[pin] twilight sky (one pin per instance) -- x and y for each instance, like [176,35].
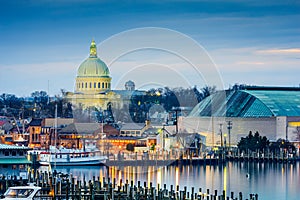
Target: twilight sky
[42,43]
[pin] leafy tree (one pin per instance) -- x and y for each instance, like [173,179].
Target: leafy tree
[130,147]
[253,142]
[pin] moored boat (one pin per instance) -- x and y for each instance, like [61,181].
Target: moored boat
[23,192]
[71,157]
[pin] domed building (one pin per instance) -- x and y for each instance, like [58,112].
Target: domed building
[93,85]
[93,74]
[129,85]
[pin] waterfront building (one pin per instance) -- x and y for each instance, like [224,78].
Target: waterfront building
[42,131]
[79,135]
[13,161]
[272,111]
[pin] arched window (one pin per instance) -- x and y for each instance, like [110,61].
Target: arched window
[105,85]
[102,85]
[99,85]
[108,85]
[85,85]
[94,85]
[81,85]
[90,85]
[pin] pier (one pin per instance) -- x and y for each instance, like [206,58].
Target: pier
[185,158]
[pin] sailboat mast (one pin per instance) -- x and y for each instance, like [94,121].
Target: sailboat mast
[55,126]
[55,133]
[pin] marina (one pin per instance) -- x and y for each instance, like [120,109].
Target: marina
[246,177]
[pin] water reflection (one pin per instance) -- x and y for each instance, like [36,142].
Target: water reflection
[269,180]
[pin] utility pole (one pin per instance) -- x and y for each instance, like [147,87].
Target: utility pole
[221,125]
[229,127]
[213,131]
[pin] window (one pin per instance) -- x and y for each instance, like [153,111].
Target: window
[105,85]
[6,153]
[14,153]
[21,153]
[90,85]
[82,85]
[102,85]
[78,85]
[99,85]
[85,85]
[94,85]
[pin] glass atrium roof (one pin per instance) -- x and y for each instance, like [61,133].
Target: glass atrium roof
[250,103]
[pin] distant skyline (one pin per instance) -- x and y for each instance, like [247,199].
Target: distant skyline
[42,43]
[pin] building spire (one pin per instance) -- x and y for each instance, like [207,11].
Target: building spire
[93,49]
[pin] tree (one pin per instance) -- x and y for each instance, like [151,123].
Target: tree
[130,147]
[253,142]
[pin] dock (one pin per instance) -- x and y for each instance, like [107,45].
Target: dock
[64,186]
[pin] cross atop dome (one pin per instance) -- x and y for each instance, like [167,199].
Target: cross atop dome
[93,49]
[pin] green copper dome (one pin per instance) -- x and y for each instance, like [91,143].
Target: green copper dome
[93,66]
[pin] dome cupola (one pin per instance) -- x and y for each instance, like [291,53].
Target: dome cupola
[93,73]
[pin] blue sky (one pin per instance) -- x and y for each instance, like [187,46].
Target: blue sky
[42,43]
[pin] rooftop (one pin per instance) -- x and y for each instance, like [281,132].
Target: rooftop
[251,101]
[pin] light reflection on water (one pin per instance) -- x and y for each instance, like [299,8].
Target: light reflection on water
[270,181]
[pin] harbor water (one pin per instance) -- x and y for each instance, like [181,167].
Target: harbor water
[271,181]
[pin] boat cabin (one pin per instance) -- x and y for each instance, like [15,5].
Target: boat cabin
[13,161]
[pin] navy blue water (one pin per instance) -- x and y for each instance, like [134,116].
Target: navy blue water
[270,181]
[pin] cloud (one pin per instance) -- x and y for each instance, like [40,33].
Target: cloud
[250,63]
[23,79]
[279,51]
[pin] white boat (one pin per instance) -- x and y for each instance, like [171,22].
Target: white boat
[23,192]
[71,157]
